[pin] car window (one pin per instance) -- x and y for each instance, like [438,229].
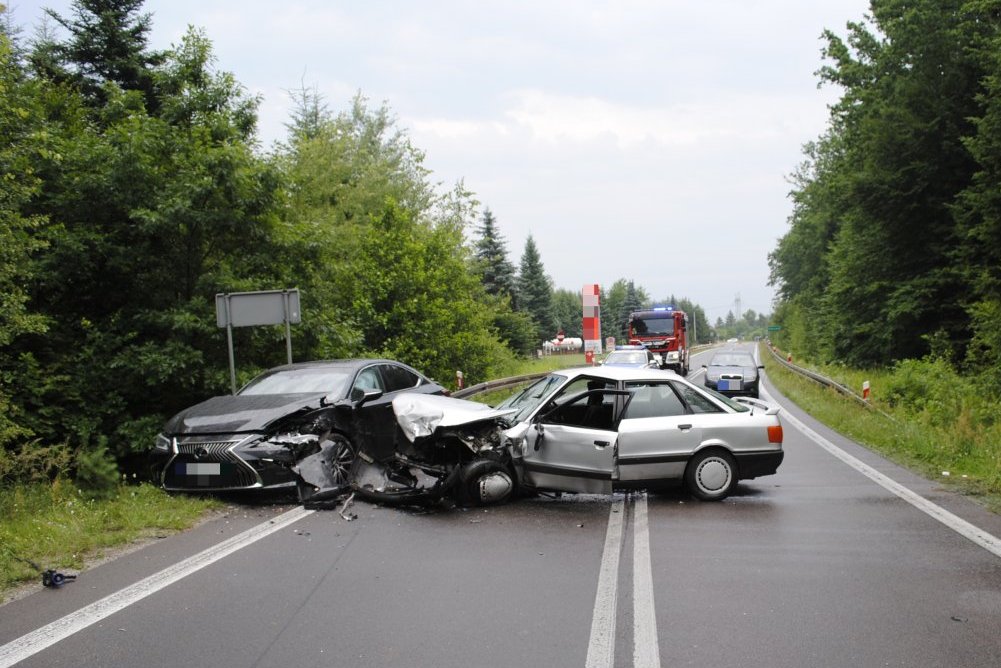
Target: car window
[652,399]
[594,410]
[582,384]
[698,402]
[369,379]
[328,380]
[397,378]
[529,399]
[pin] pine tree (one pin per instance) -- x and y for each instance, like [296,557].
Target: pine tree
[535,291]
[496,272]
[107,43]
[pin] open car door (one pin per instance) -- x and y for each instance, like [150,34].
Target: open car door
[572,447]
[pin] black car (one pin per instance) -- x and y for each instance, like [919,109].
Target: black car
[254,439]
[733,373]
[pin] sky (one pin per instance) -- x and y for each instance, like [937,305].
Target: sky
[643,140]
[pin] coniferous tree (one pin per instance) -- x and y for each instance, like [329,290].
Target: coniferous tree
[496,271]
[535,292]
[107,43]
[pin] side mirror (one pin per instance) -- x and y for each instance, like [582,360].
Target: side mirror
[704,366]
[359,397]
[761,366]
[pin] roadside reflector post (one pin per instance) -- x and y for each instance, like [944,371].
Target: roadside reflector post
[458,380]
[865,390]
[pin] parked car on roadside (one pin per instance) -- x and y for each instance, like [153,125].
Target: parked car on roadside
[253,439]
[733,373]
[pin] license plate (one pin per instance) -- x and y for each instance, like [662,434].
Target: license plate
[729,385]
[201,468]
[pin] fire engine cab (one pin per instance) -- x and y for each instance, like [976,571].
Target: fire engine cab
[664,330]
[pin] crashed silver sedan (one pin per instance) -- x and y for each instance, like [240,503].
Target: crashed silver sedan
[591,430]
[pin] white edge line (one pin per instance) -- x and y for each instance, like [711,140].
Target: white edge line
[646,649]
[31,643]
[982,538]
[601,648]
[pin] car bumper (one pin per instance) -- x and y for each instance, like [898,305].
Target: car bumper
[756,464]
[210,464]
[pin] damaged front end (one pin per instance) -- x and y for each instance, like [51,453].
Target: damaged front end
[444,448]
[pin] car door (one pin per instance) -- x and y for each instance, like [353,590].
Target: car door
[657,433]
[571,448]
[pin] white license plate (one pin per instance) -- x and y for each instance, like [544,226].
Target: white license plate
[729,385]
[203,468]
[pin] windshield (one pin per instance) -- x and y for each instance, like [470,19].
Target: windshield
[626,358]
[732,359]
[531,397]
[653,326]
[327,380]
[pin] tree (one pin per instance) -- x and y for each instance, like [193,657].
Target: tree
[496,272]
[107,44]
[568,310]
[630,303]
[535,292]
[21,127]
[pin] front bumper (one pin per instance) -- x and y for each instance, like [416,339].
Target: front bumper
[207,463]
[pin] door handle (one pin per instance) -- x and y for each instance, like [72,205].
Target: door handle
[601,444]
[684,426]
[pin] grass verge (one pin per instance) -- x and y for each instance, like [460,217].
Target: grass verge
[55,526]
[947,452]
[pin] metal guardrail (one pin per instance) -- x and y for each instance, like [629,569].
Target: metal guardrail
[498,384]
[827,382]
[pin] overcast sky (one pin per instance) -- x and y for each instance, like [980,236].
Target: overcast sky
[646,140]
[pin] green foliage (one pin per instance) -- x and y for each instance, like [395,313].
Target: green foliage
[495,270]
[96,472]
[568,311]
[535,292]
[894,202]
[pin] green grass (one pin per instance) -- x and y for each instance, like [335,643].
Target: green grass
[928,437]
[55,526]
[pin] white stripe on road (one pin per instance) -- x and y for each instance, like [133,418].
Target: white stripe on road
[601,649]
[34,642]
[982,538]
[646,649]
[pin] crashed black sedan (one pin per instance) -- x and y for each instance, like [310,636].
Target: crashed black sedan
[257,438]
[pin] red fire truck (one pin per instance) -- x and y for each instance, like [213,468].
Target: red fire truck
[664,330]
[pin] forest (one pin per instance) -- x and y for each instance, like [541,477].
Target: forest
[894,247]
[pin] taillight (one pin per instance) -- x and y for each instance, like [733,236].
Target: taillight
[775,434]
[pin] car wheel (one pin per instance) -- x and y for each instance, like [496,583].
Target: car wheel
[338,460]
[484,482]
[711,475]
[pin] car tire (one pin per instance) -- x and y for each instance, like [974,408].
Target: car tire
[485,482]
[711,475]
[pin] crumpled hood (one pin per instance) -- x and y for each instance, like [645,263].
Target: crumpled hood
[234,414]
[420,414]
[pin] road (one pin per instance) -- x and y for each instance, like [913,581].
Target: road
[819,565]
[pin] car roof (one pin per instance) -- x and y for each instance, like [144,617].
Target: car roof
[356,363]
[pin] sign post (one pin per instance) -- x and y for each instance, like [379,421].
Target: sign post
[247,309]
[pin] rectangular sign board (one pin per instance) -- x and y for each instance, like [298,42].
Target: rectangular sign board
[774,328]
[247,309]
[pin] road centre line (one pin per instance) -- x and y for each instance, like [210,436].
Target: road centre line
[646,649]
[601,648]
[31,643]
[982,538]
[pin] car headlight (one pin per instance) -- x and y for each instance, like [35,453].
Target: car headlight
[163,443]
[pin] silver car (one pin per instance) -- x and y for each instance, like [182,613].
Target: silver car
[733,373]
[595,429]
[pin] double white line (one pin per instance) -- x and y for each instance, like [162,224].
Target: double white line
[646,649]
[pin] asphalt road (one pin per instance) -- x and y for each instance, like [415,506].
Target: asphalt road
[816,566]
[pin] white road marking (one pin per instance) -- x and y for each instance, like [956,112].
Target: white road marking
[36,641]
[646,649]
[982,538]
[601,649]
